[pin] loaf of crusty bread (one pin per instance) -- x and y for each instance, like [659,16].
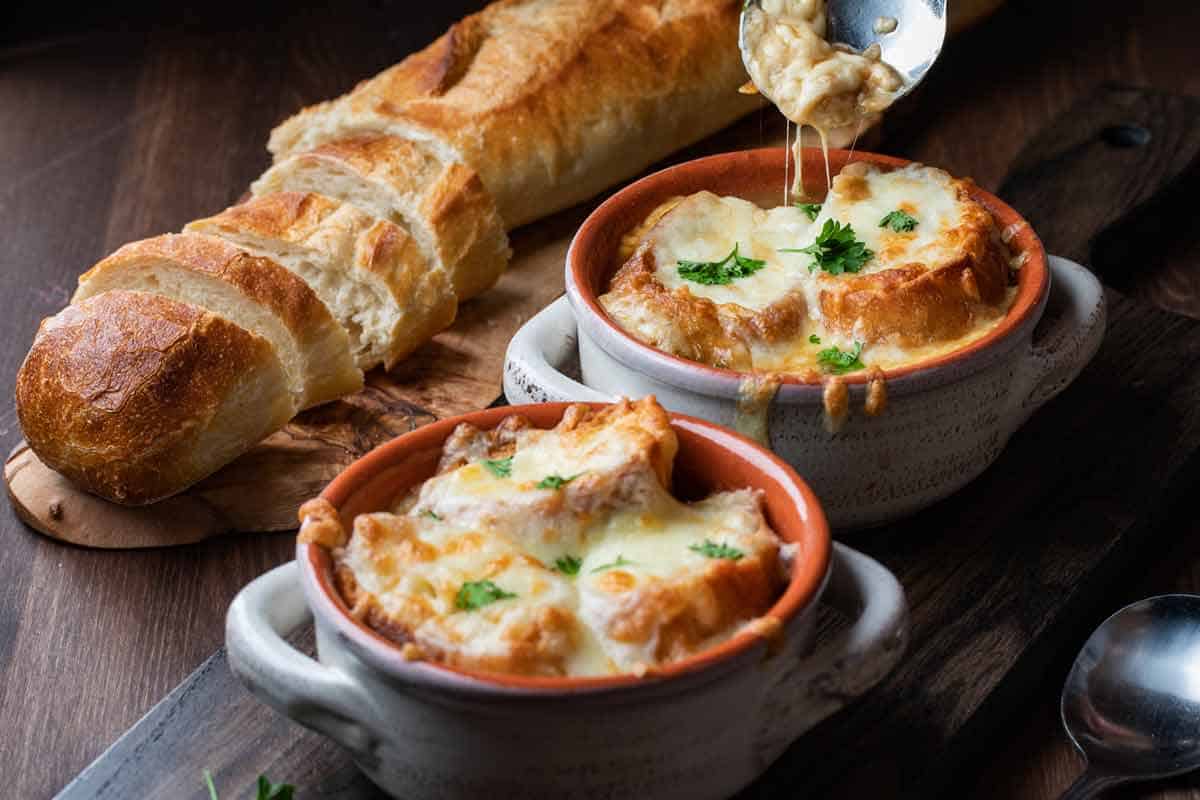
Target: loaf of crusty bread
[134,396]
[369,272]
[551,101]
[383,210]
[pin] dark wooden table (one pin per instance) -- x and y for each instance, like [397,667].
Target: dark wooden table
[146,121]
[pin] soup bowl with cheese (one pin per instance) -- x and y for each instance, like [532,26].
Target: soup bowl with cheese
[885,332]
[566,600]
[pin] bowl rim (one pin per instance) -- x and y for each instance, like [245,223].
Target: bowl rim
[805,584]
[1026,310]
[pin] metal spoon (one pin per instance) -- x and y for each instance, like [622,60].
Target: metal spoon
[911,48]
[1131,704]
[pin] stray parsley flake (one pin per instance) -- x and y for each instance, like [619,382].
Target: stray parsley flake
[555,481]
[836,249]
[720,272]
[839,362]
[713,550]
[811,210]
[814,339]
[899,221]
[568,564]
[500,467]
[431,514]
[620,562]
[473,595]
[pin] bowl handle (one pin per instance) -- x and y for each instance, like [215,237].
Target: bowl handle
[806,690]
[320,697]
[536,355]
[1067,336]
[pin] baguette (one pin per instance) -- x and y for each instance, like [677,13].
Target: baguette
[255,293]
[444,206]
[369,272]
[551,101]
[136,396]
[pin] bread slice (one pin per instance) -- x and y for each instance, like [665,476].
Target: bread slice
[551,102]
[444,206]
[369,272]
[135,396]
[253,292]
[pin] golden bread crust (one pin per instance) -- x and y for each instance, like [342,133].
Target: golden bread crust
[120,392]
[552,102]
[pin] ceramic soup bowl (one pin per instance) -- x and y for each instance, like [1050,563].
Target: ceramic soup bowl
[702,727]
[947,418]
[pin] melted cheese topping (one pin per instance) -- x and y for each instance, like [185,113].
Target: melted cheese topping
[811,81]
[954,247]
[642,595]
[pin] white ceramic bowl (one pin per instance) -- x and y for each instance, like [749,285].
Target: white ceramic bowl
[700,728]
[947,419]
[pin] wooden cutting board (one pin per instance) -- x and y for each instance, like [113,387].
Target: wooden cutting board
[1001,579]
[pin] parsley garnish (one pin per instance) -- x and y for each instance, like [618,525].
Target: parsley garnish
[477,594]
[713,550]
[555,481]
[620,562]
[899,221]
[839,362]
[500,467]
[266,789]
[814,339]
[431,514]
[568,564]
[835,250]
[811,210]
[720,272]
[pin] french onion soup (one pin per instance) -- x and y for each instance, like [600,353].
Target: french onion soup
[559,552]
[893,267]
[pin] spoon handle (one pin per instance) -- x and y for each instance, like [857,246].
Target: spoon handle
[1090,784]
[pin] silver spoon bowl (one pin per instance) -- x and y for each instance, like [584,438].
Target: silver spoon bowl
[910,49]
[1131,703]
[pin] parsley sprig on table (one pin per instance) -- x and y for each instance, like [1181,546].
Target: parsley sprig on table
[811,210]
[899,221]
[265,789]
[474,595]
[836,249]
[620,562]
[500,467]
[568,564]
[710,549]
[720,272]
[839,362]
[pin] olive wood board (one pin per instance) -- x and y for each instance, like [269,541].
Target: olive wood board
[1000,578]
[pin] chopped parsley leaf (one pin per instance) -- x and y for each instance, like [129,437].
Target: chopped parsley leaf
[836,249]
[555,481]
[713,273]
[568,564]
[265,789]
[839,362]
[811,210]
[431,514]
[899,221]
[620,562]
[713,550]
[814,339]
[473,595]
[500,467]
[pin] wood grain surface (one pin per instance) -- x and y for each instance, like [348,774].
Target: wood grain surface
[114,134]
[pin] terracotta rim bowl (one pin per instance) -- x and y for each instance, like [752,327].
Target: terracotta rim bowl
[710,458]
[758,176]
